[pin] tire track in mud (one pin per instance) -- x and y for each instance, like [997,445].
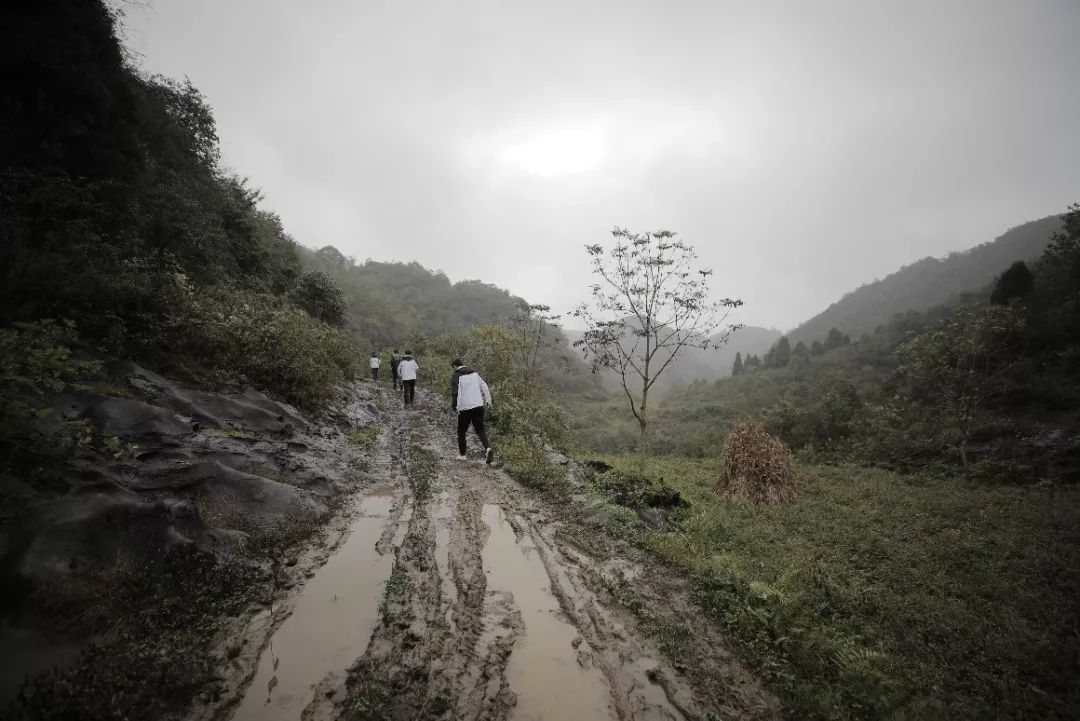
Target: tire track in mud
[490,615]
[323,606]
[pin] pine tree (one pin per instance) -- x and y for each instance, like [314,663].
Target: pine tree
[816,348]
[801,354]
[737,368]
[782,353]
[1016,282]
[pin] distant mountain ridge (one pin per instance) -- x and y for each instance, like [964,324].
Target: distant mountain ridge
[928,282]
[697,364]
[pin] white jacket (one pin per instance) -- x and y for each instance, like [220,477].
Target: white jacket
[407,369]
[469,390]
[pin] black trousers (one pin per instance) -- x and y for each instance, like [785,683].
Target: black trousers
[393,372]
[374,374]
[475,416]
[409,388]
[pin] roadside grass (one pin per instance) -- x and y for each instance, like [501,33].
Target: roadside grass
[153,655]
[363,437]
[875,595]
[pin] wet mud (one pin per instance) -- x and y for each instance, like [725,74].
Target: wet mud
[331,621]
[454,593]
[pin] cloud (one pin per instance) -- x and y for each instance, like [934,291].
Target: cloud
[804,148]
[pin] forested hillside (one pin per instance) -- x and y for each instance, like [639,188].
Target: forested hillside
[389,302]
[926,283]
[116,217]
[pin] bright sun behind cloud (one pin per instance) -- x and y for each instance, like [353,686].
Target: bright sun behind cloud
[557,152]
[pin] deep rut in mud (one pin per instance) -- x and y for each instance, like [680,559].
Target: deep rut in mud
[452,596]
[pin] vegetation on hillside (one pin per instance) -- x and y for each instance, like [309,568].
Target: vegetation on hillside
[115,214]
[928,282]
[879,595]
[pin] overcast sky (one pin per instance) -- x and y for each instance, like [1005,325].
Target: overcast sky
[804,147]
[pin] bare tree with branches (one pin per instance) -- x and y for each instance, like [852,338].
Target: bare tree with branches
[650,302]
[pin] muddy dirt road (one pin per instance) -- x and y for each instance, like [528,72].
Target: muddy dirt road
[449,591]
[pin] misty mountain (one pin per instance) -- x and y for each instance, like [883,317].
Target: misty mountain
[927,283]
[695,363]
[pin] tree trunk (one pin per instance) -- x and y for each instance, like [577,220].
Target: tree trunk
[643,443]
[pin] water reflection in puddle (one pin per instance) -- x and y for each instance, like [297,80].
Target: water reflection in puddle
[331,623]
[544,673]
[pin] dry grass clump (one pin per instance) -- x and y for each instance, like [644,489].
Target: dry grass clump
[757,466]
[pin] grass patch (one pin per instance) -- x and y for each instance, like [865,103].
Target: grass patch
[363,437]
[422,467]
[155,655]
[875,595]
[526,461]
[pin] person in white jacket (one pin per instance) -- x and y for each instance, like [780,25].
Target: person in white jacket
[407,370]
[470,394]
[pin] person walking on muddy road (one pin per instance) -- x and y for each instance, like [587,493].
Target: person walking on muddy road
[374,363]
[470,395]
[395,361]
[408,369]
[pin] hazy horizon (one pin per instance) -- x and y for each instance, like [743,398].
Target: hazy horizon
[804,152]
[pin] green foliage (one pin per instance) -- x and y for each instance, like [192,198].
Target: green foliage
[363,437]
[38,359]
[115,214]
[260,339]
[316,293]
[929,282]
[881,596]
[951,370]
[1014,283]
[154,655]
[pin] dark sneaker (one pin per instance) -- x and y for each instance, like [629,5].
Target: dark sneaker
[489,456]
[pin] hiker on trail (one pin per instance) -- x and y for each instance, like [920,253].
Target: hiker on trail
[374,363]
[395,360]
[470,395]
[407,369]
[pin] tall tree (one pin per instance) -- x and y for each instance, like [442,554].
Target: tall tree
[650,302]
[1016,282]
[782,352]
[800,354]
[737,367]
[951,370]
[816,348]
[836,339]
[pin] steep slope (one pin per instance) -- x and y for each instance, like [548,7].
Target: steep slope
[928,282]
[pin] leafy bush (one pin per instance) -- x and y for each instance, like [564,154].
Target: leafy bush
[757,466]
[35,359]
[316,293]
[260,339]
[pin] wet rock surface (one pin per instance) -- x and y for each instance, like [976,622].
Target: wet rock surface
[190,461]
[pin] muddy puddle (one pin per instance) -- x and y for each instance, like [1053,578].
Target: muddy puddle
[544,671]
[331,622]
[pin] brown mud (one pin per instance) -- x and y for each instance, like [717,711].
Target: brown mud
[463,595]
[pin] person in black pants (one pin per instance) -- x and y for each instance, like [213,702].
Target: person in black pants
[395,360]
[470,395]
[408,369]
